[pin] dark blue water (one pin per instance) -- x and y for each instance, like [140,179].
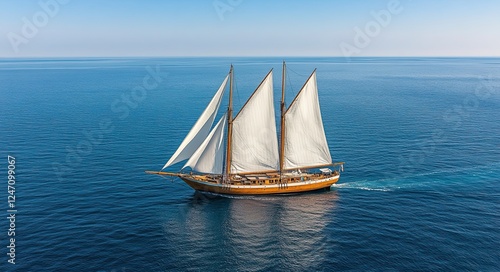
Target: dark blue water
[421,190]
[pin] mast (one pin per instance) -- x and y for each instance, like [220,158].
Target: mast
[282,126]
[229,124]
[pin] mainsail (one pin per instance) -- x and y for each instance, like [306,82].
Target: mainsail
[254,140]
[209,157]
[305,140]
[200,130]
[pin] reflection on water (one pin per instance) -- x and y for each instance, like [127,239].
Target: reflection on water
[251,232]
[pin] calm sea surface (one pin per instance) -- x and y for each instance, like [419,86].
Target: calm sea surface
[420,191]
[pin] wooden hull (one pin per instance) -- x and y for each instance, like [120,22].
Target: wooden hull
[295,187]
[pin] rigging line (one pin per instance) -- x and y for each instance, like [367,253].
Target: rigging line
[237,93]
[290,81]
[303,75]
[171,179]
[290,86]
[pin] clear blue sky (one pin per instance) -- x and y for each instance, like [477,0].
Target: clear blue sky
[248,28]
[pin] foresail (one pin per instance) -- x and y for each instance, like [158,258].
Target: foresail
[305,140]
[254,140]
[200,130]
[209,157]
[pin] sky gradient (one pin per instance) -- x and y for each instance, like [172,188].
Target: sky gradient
[77,28]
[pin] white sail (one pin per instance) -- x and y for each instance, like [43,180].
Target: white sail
[305,140]
[209,157]
[200,130]
[254,141]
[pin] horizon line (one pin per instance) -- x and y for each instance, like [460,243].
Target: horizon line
[256,56]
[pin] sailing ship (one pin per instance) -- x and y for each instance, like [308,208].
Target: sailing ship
[249,161]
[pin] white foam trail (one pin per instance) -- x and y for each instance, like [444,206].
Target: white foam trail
[361,186]
[408,181]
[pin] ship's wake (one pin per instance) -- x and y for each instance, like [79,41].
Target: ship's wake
[424,179]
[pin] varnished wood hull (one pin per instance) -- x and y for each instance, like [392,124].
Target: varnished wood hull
[295,187]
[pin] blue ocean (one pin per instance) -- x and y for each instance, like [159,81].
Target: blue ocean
[420,138]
